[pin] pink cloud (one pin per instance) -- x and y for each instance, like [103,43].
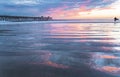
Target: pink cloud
[61,12]
[74,13]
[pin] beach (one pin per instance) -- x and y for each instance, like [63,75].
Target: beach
[69,49]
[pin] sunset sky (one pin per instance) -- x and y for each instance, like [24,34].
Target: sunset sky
[62,9]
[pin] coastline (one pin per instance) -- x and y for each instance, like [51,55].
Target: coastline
[59,21]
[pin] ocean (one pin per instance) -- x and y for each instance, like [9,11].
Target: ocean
[60,49]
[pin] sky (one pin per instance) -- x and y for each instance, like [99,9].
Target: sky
[62,9]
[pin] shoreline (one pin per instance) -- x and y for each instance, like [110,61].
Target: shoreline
[55,21]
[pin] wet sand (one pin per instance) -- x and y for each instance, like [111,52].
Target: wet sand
[60,50]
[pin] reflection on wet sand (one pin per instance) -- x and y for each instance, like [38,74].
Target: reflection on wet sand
[45,60]
[103,38]
[49,63]
[111,69]
[106,62]
[108,57]
[60,50]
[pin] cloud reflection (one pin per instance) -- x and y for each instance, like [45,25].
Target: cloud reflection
[44,59]
[106,63]
[111,69]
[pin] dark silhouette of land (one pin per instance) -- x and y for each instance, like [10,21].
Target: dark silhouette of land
[23,18]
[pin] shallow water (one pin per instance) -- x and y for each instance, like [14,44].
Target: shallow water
[60,50]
